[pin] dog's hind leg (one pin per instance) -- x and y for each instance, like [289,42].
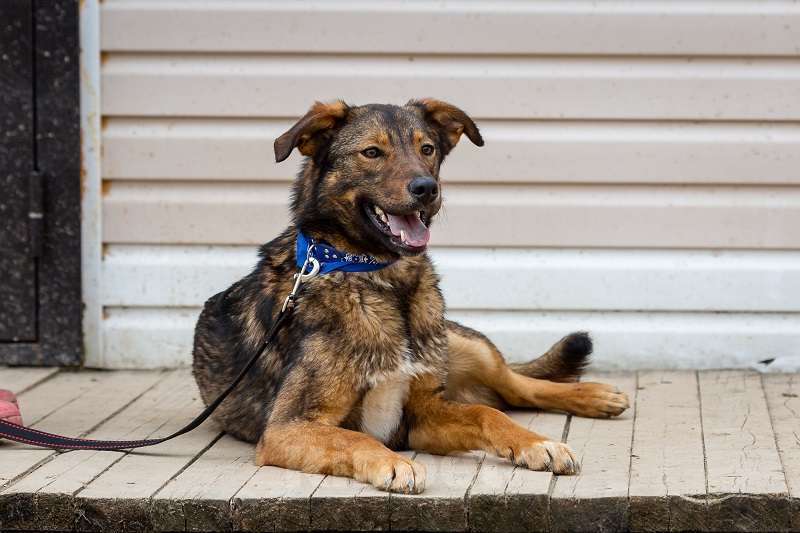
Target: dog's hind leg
[479,374]
[440,426]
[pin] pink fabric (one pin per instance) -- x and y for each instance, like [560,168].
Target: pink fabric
[7,396]
[9,410]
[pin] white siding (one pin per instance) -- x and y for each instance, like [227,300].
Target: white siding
[554,27]
[489,87]
[640,179]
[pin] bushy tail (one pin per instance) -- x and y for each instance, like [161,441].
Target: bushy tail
[565,361]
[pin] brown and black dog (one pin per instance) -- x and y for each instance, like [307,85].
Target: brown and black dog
[367,363]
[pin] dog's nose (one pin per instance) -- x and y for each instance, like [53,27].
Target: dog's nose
[424,188]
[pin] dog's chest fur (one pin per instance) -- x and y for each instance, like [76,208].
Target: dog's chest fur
[382,407]
[388,324]
[394,333]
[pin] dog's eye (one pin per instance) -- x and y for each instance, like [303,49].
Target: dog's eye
[427,149]
[371,152]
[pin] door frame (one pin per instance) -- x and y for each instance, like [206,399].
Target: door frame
[58,158]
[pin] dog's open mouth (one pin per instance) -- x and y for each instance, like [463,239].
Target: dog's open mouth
[407,230]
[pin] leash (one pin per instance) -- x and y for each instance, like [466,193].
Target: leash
[15,432]
[320,258]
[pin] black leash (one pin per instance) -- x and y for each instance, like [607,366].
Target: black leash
[42,439]
[15,432]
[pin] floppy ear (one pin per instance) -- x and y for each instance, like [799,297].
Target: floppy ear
[307,133]
[449,119]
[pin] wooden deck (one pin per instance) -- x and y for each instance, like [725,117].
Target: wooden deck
[717,450]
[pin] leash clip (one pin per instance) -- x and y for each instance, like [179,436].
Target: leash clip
[302,276]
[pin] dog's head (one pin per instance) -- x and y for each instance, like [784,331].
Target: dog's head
[371,180]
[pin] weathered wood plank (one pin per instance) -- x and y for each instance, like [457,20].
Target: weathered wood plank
[275,499]
[71,403]
[48,491]
[35,406]
[199,498]
[442,507]
[668,481]
[597,498]
[119,499]
[343,504]
[509,498]
[746,486]
[84,400]
[18,379]
[783,399]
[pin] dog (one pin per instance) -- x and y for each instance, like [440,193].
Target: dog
[367,364]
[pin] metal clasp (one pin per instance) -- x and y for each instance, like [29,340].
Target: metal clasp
[302,276]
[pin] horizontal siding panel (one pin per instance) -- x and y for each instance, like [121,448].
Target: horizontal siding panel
[515,151]
[648,340]
[477,215]
[548,279]
[148,338]
[159,337]
[542,88]
[550,27]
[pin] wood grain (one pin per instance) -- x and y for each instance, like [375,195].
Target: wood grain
[783,399]
[18,379]
[70,404]
[442,506]
[642,473]
[597,498]
[747,489]
[509,498]
[344,504]
[119,499]
[275,499]
[198,499]
[668,480]
[48,491]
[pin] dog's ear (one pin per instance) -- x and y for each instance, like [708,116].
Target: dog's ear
[449,119]
[309,131]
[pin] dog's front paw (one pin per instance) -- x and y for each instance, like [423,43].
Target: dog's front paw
[397,474]
[548,455]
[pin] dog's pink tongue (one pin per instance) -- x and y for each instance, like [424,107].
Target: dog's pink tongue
[414,232]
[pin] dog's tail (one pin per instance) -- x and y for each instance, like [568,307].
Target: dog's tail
[565,361]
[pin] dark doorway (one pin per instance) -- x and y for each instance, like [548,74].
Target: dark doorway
[40,296]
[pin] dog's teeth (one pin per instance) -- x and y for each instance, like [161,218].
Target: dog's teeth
[402,235]
[381,215]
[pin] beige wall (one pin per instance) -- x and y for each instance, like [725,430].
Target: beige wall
[640,175]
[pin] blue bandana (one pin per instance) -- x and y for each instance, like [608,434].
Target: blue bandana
[331,259]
